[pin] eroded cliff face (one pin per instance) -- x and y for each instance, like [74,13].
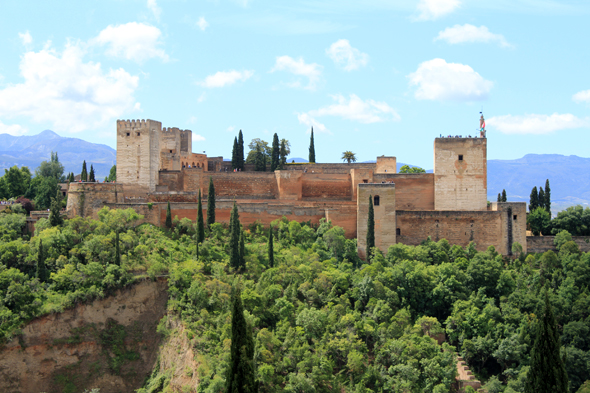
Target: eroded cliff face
[111,344]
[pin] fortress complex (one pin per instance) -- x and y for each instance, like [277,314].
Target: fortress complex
[156,165]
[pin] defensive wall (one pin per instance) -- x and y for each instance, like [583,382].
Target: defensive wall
[545,243]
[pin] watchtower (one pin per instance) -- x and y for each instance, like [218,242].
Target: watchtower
[383,197]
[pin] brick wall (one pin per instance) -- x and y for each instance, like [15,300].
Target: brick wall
[412,191]
[326,186]
[384,214]
[329,168]
[545,243]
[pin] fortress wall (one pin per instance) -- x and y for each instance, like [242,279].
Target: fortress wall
[324,186]
[171,180]
[545,243]
[329,168]
[383,197]
[412,191]
[250,185]
[357,176]
[513,228]
[86,199]
[482,227]
[289,184]
[386,165]
[169,161]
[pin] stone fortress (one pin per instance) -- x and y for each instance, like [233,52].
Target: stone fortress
[156,165]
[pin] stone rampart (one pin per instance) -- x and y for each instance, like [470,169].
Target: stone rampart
[326,186]
[412,191]
[545,243]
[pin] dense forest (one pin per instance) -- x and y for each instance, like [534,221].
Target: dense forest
[322,320]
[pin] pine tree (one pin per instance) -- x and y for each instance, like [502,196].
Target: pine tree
[311,148]
[91,177]
[504,199]
[534,201]
[84,174]
[234,240]
[117,249]
[547,373]
[271,254]
[241,371]
[211,203]
[499,197]
[200,222]
[42,272]
[370,229]
[547,196]
[234,155]
[168,216]
[275,154]
[541,197]
[241,151]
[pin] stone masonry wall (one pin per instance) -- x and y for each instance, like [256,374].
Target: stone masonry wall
[322,186]
[383,195]
[412,191]
[545,243]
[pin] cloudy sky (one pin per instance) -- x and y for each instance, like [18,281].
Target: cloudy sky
[373,76]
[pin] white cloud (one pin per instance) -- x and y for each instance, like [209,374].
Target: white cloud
[353,108]
[226,78]
[153,6]
[468,33]
[306,119]
[536,124]
[71,94]
[198,138]
[582,96]
[26,38]
[202,23]
[346,56]
[438,80]
[434,9]
[298,67]
[132,41]
[12,129]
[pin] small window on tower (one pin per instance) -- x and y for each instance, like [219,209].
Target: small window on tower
[460,157]
[128,134]
[398,232]
[170,151]
[515,217]
[138,134]
[365,181]
[376,200]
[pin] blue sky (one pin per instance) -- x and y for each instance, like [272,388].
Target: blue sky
[373,76]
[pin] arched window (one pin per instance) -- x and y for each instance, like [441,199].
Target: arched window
[376,200]
[193,164]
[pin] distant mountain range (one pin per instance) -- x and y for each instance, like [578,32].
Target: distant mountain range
[32,150]
[569,176]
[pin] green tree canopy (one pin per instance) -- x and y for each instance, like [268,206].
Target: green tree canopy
[411,169]
[539,221]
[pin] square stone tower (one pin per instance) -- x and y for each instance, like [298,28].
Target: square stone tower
[138,152]
[383,196]
[460,174]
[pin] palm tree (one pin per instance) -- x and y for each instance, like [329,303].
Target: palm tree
[348,156]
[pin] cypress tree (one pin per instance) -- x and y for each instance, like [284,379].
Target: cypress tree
[534,201]
[200,222]
[234,240]
[84,174]
[234,155]
[541,198]
[271,254]
[168,216]
[275,155]
[242,250]
[241,371]
[241,150]
[311,148]
[504,196]
[499,197]
[370,229]
[547,196]
[55,218]
[91,177]
[72,177]
[211,203]
[547,373]
[42,273]
[117,250]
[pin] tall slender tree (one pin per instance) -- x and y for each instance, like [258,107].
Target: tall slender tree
[240,151]
[242,250]
[370,229]
[311,148]
[117,249]
[534,201]
[504,199]
[541,197]
[260,163]
[84,174]
[547,372]
[55,218]
[499,197]
[271,253]
[42,272]
[168,216]
[285,151]
[234,155]
[91,177]
[200,221]
[275,154]
[211,203]
[547,196]
[234,239]
[241,371]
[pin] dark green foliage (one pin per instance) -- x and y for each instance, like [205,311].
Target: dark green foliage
[370,229]
[547,196]
[541,198]
[547,373]
[311,148]
[534,201]
[499,197]
[275,154]
[168,216]
[15,182]
[211,203]
[112,174]
[84,174]
[539,221]
[504,199]
[240,153]
[285,151]
[241,371]
[55,218]
[271,253]
[43,189]
[200,221]
[574,219]
[260,163]
[52,168]
[117,250]
[242,250]
[234,155]
[91,177]
[411,169]
[234,241]
[42,273]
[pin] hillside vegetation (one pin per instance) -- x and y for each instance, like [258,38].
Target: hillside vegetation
[322,320]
